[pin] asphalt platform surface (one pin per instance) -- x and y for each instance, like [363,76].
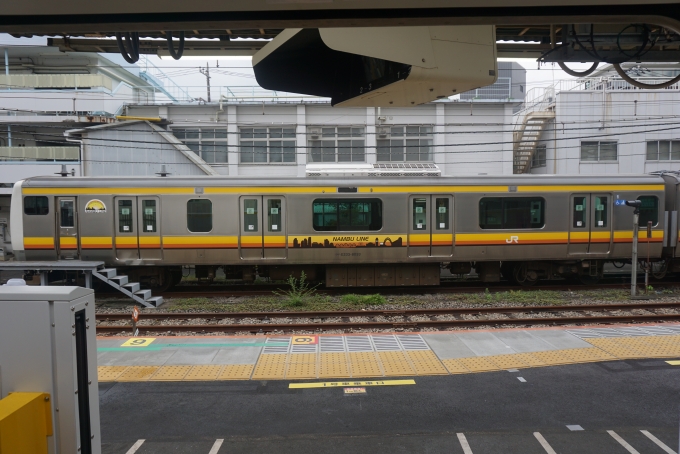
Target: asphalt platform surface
[609,404]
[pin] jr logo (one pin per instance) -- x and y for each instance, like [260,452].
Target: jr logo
[512,239]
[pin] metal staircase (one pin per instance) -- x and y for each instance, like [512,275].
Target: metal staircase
[526,139]
[131,289]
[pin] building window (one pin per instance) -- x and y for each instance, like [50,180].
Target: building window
[330,215]
[36,205]
[405,143]
[649,211]
[199,215]
[511,212]
[599,151]
[538,159]
[663,150]
[337,144]
[210,144]
[267,145]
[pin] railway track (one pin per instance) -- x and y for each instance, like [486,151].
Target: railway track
[235,291]
[409,319]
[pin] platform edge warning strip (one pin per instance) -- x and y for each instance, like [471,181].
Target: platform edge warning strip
[339,384]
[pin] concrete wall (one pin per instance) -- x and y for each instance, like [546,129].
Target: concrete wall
[469,137]
[629,117]
[132,149]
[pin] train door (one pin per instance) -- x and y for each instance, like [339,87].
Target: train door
[149,231]
[590,224]
[67,228]
[263,227]
[430,226]
[125,241]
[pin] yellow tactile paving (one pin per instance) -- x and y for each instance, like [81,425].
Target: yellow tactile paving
[302,358]
[478,364]
[204,373]
[616,348]
[587,355]
[397,368]
[529,359]
[422,355]
[392,356]
[361,356]
[365,369]
[138,373]
[301,370]
[236,372]
[552,357]
[333,357]
[272,366]
[171,373]
[455,367]
[509,361]
[110,373]
[334,369]
[429,368]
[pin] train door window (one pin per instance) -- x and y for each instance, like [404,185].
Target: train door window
[250,215]
[36,205]
[649,211]
[419,214]
[149,215]
[199,215]
[442,214]
[125,216]
[274,215]
[600,211]
[580,213]
[66,208]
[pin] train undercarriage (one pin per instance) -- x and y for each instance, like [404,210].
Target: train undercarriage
[522,273]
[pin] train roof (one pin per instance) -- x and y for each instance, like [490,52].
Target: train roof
[230,181]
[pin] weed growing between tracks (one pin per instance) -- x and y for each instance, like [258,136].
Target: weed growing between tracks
[318,302]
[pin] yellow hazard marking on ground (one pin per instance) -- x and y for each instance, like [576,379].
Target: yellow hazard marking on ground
[110,373]
[305,340]
[674,363]
[138,342]
[140,373]
[171,373]
[236,372]
[340,384]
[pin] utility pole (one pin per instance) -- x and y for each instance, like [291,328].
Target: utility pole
[206,73]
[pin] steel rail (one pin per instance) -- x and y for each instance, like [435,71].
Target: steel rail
[317,327]
[406,324]
[387,312]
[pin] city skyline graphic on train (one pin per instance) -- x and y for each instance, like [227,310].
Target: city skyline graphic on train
[347,242]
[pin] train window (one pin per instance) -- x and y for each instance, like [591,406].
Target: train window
[274,214]
[347,215]
[149,215]
[36,205]
[250,215]
[125,216]
[419,214]
[580,213]
[67,213]
[601,211]
[442,213]
[649,211]
[511,212]
[199,215]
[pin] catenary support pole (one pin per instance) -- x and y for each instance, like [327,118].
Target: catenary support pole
[633,275]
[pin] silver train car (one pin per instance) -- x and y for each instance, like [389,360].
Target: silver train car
[346,232]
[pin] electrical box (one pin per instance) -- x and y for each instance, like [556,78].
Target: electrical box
[48,344]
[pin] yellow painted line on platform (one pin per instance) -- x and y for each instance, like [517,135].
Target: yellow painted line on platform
[339,384]
[674,363]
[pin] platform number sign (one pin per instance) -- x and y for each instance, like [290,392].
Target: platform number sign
[138,342]
[305,340]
